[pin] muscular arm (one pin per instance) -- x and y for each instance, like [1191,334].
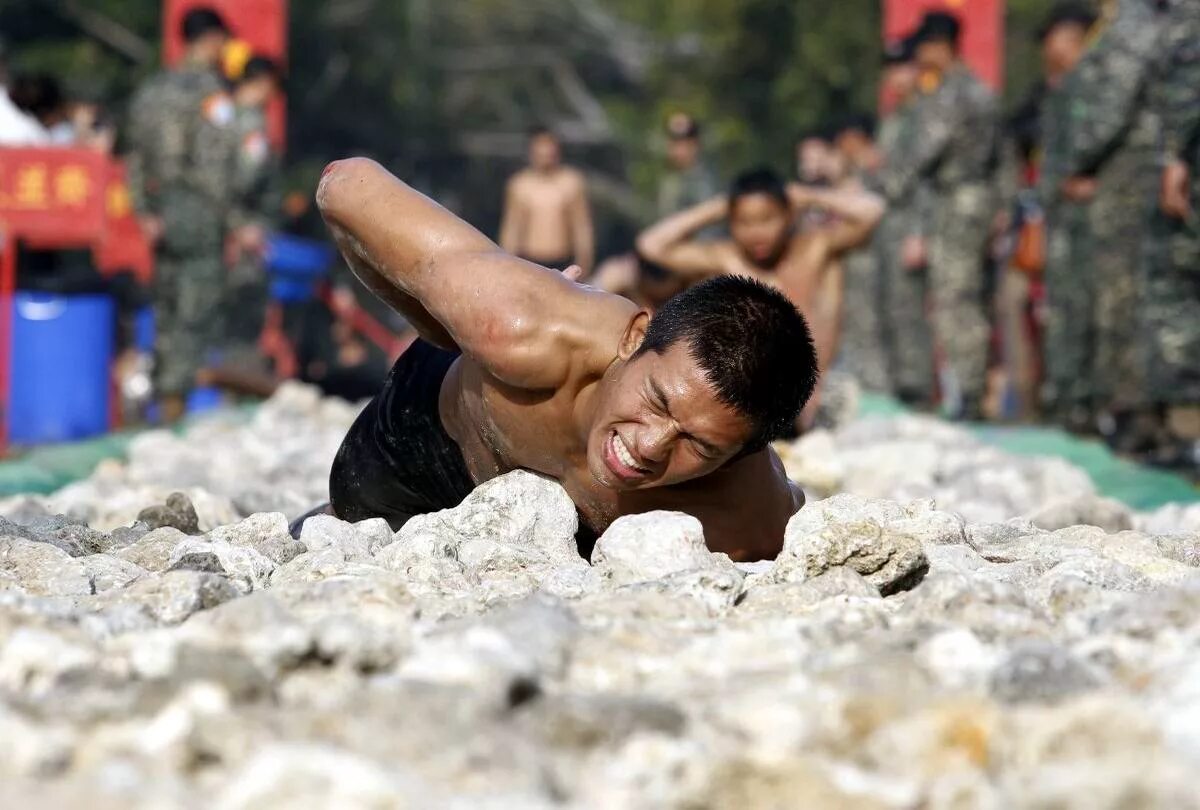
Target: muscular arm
[856,212]
[514,219]
[521,322]
[583,239]
[670,245]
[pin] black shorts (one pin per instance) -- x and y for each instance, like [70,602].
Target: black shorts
[398,461]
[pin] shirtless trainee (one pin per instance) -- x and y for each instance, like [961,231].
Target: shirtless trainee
[764,244]
[521,368]
[546,216]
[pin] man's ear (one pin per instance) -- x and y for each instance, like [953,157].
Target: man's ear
[635,334]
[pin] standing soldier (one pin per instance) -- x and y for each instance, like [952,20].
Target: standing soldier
[255,211]
[1171,303]
[180,173]
[955,151]
[907,341]
[689,181]
[1112,137]
[1070,298]
[861,351]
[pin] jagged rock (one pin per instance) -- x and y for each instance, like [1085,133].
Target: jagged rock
[788,598]
[177,513]
[171,597]
[244,565]
[636,548]
[1088,510]
[153,551]
[889,560]
[43,569]
[265,533]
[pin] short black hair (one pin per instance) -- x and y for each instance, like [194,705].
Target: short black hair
[1068,12]
[202,21]
[537,130]
[753,345]
[940,26]
[260,67]
[762,180]
[862,122]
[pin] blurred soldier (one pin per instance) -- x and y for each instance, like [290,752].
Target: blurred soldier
[861,351]
[1171,303]
[1110,166]
[256,208]
[907,340]
[1070,284]
[689,181]
[547,219]
[180,173]
[955,151]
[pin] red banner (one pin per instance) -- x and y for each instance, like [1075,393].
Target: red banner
[259,27]
[982,32]
[53,197]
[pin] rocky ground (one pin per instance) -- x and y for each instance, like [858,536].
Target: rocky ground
[983,652]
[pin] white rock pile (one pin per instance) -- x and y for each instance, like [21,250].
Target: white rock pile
[897,654]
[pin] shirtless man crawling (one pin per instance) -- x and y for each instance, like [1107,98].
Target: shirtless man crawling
[546,215]
[765,243]
[520,367]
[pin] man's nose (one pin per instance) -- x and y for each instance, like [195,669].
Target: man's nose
[654,442]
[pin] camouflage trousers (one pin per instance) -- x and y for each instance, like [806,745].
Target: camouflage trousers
[189,294]
[1170,312]
[1069,335]
[1117,221]
[956,284]
[860,350]
[907,340]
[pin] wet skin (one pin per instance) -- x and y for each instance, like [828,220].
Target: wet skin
[551,380]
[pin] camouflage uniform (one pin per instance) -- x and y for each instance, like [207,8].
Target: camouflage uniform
[1171,304]
[1069,333]
[955,151]
[1112,136]
[905,333]
[860,345]
[181,161]
[257,202]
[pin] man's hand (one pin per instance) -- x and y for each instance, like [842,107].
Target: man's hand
[1079,189]
[913,252]
[1173,197]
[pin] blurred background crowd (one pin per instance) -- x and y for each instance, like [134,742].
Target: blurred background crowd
[1018,247]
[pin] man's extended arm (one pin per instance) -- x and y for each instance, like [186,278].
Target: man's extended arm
[670,244]
[453,283]
[583,239]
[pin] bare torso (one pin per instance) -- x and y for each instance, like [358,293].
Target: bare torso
[543,217]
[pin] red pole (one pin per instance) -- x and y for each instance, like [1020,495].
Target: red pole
[8,283]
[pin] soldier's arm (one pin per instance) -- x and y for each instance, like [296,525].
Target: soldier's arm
[1107,93]
[937,117]
[520,321]
[1180,92]
[671,243]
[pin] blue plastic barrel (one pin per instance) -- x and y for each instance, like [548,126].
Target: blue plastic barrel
[61,365]
[296,265]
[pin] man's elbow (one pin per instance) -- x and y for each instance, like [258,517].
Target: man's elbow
[336,181]
[647,249]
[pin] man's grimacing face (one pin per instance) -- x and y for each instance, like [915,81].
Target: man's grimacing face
[658,421]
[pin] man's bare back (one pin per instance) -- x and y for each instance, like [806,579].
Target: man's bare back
[551,378]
